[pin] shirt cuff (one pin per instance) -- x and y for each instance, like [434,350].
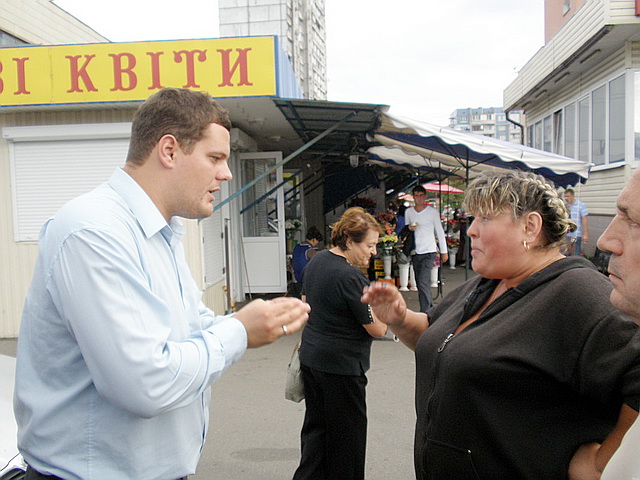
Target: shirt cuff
[232,336]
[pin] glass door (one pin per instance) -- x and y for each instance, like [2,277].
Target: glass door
[262,219]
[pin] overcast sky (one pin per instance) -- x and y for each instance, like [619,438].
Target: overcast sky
[424,58]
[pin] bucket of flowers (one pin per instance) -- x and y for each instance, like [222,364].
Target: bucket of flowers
[387,242]
[453,243]
[291,227]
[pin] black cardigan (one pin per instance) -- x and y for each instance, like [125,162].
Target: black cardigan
[543,370]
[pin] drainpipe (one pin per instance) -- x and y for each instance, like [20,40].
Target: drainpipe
[517,125]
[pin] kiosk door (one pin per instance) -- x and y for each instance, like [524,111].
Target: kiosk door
[263,233]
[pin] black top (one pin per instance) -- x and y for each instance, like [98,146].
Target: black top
[543,370]
[334,340]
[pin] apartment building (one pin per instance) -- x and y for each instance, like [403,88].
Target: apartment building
[300,25]
[490,122]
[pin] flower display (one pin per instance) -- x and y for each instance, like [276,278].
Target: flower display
[291,227]
[387,243]
[453,242]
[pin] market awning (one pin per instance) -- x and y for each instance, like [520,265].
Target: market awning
[418,144]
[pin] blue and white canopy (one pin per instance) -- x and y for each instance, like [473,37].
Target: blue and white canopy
[416,144]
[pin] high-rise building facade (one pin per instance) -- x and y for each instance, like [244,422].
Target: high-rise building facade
[490,122]
[300,25]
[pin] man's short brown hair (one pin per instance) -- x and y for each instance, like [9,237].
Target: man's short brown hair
[185,114]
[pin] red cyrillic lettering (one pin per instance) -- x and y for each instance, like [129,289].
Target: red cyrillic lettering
[241,63]
[155,70]
[22,84]
[189,55]
[78,73]
[119,71]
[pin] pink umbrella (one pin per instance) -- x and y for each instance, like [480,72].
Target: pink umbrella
[441,187]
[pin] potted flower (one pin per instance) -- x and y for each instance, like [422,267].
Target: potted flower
[291,228]
[386,248]
[453,243]
[387,243]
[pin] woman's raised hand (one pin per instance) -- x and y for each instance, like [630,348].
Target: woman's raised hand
[386,301]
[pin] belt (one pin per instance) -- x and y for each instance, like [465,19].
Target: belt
[35,475]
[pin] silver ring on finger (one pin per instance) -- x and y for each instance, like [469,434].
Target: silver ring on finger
[285,329]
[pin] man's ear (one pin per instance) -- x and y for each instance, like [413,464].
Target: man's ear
[167,147]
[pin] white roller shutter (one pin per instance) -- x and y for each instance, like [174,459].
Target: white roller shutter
[52,164]
[49,173]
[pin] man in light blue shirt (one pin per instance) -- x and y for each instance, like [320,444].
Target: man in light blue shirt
[116,352]
[579,215]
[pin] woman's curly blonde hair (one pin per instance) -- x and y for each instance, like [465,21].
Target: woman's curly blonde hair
[520,193]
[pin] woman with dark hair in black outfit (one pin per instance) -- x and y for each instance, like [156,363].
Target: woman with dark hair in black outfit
[335,351]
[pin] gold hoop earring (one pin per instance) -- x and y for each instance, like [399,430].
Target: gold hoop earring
[526,246]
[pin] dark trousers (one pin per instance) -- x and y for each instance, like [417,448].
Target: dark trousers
[334,432]
[31,474]
[422,265]
[35,475]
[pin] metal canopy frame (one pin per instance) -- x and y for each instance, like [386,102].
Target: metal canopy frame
[334,129]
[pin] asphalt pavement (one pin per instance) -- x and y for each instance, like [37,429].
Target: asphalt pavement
[254,433]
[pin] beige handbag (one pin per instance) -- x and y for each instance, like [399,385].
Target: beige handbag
[294,388]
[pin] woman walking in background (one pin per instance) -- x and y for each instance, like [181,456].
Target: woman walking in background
[335,351]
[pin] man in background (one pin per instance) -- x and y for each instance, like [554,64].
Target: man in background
[117,352]
[302,253]
[579,215]
[424,221]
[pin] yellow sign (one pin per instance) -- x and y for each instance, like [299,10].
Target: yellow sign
[120,72]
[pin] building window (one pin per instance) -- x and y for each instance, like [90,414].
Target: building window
[570,130]
[617,100]
[583,129]
[547,135]
[599,125]
[558,129]
[530,136]
[538,136]
[636,116]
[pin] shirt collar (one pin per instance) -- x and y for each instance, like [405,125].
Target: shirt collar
[144,210]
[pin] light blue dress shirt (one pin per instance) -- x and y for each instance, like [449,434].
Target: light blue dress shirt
[578,210]
[116,351]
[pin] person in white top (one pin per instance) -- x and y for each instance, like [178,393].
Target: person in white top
[424,220]
[622,239]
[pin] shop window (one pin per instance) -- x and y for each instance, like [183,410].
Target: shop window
[558,130]
[547,134]
[538,136]
[636,116]
[570,130]
[617,101]
[599,125]
[583,129]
